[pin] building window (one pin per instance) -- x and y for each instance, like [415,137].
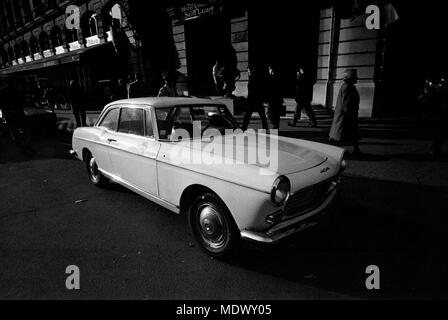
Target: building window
[27,11]
[71,35]
[4,57]
[10,17]
[11,54]
[25,48]
[56,37]
[18,13]
[114,16]
[17,51]
[93,26]
[44,42]
[38,8]
[89,25]
[34,48]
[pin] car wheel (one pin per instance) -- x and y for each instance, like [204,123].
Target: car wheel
[96,177]
[213,226]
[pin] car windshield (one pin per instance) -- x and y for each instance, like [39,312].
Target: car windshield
[192,121]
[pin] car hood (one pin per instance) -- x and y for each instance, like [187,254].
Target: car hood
[274,153]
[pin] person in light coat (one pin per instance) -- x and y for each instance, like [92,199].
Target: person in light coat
[345,121]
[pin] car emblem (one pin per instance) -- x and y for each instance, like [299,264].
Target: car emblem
[324,170]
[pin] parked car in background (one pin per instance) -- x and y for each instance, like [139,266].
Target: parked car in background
[136,143]
[38,119]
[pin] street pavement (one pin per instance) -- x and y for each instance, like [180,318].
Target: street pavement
[391,212]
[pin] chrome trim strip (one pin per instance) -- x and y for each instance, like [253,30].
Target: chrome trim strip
[120,149]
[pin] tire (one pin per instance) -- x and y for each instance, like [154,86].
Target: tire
[95,176]
[212,226]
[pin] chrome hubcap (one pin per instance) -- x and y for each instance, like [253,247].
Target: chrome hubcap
[94,173]
[211,225]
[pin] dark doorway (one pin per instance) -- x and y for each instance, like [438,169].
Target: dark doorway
[207,38]
[285,35]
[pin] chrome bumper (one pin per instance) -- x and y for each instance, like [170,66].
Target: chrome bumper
[292,226]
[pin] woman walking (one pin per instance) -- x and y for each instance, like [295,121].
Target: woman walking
[345,121]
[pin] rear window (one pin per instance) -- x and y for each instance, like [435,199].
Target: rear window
[132,121]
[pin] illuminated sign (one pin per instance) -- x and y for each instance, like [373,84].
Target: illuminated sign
[192,11]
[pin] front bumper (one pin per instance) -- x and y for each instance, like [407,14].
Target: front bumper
[292,226]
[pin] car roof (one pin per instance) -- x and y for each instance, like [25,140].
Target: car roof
[166,102]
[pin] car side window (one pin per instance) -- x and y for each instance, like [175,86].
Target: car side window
[110,120]
[149,128]
[132,121]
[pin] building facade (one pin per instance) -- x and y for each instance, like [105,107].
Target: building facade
[324,37]
[288,36]
[35,42]
[188,37]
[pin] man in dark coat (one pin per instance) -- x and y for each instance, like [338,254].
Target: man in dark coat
[274,97]
[255,100]
[304,96]
[345,121]
[75,97]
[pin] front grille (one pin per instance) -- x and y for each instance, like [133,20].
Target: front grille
[307,199]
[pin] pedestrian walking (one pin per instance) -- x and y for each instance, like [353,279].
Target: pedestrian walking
[75,97]
[50,98]
[138,88]
[274,97]
[12,103]
[230,76]
[345,121]
[303,97]
[255,100]
[218,78]
[169,88]
[120,92]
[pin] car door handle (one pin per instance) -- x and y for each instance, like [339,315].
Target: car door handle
[111,140]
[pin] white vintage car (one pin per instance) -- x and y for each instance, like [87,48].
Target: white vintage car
[148,145]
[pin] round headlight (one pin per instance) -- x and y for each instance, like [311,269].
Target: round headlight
[280,190]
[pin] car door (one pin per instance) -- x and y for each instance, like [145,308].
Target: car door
[107,127]
[135,149]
